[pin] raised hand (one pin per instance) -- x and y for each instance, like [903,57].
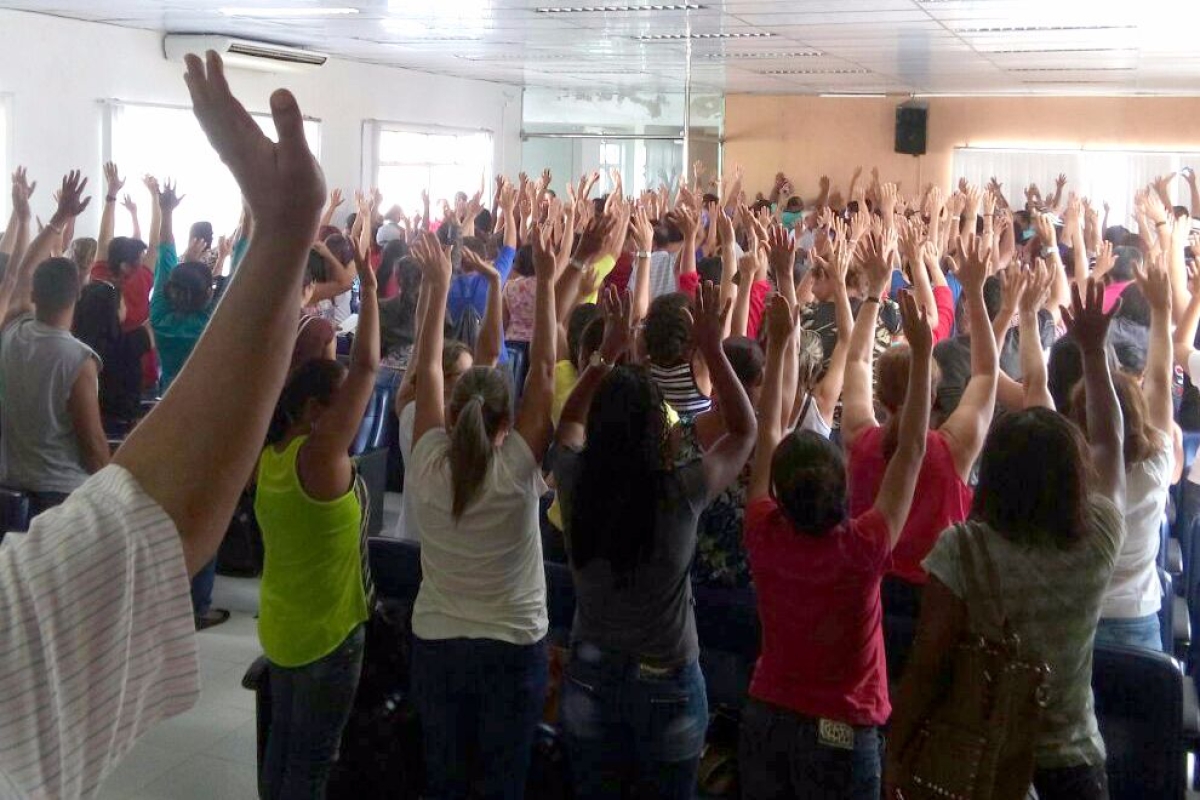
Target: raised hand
[433,259]
[335,199]
[1043,224]
[687,221]
[1153,280]
[151,184]
[781,319]
[281,182]
[875,264]
[974,264]
[1036,289]
[618,324]
[168,198]
[781,254]
[71,201]
[1105,260]
[224,247]
[1086,320]
[112,180]
[368,282]
[915,320]
[641,230]
[708,318]
[591,242]
[1013,281]
[22,190]
[129,205]
[1060,181]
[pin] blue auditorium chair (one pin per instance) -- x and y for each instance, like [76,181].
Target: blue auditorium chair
[14,511]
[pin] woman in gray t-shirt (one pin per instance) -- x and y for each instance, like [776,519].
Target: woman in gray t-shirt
[633,706]
[1044,533]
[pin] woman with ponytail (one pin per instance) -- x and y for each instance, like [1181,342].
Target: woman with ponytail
[634,706]
[479,662]
[943,497]
[314,595]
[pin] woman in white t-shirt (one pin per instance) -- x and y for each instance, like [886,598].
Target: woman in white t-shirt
[479,662]
[1129,614]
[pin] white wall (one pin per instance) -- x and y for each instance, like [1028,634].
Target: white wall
[55,72]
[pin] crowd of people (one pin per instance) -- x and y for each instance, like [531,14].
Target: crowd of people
[837,411]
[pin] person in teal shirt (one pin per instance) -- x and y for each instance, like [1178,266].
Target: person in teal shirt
[183,300]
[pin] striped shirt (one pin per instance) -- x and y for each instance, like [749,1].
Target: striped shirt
[97,639]
[679,389]
[663,279]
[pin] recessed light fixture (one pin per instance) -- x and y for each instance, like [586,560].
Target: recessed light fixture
[1056,50]
[762,55]
[618,9]
[852,95]
[301,11]
[683,37]
[1045,28]
[815,72]
[1072,69]
[524,57]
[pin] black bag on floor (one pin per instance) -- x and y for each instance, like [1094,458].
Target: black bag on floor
[549,778]
[381,745]
[241,551]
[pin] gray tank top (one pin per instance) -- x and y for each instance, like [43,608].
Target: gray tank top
[39,451]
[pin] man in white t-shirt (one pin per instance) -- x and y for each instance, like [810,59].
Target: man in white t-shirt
[95,613]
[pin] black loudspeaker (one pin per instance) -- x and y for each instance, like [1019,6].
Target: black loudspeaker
[910,129]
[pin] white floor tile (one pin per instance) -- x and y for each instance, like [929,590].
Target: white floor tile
[236,594]
[204,778]
[199,729]
[241,745]
[144,764]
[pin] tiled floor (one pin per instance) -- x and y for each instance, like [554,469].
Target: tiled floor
[209,753]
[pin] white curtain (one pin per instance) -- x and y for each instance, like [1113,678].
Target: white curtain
[1101,175]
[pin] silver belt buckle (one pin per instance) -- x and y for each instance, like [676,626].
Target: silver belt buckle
[832,733]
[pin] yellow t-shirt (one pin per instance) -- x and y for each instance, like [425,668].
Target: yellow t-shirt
[602,267]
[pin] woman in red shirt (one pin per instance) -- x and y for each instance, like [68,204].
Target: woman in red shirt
[820,691]
[943,496]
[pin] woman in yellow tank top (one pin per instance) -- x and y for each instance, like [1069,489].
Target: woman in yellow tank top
[313,599]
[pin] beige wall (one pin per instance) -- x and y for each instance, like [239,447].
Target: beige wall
[810,136]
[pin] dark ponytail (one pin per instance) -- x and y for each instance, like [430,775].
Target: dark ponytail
[480,406]
[317,379]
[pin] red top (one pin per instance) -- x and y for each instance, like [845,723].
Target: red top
[818,601]
[759,291]
[1112,293]
[940,500]
[135,288]
[619,275]
[689,282]
[943,298]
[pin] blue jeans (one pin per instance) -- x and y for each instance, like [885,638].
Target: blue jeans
[202,588]
[781,756]
[1133,632]
[628,724]
[480,701]
[310,706]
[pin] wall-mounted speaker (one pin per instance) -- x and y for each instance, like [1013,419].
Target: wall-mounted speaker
[911,124]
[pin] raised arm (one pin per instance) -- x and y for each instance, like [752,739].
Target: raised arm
[324,463]
[112,184]
[1155,284]
[16,235]
[1189,175]
[618,334]
[781,328]
[335,200]
[533,418]
[427,359]
[967,427]
[491,332]
[858,408]
[1035,293]
[642,231]
[1185,331]
[827,393]
[228,389]
[17,285]
[130,206]
[1105,425]
[726,458]
[900,479]
[155,222]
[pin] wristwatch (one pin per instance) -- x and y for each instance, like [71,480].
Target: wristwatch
[1048,251]
[598,360]
[575,263]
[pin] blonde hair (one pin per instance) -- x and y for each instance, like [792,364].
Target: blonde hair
[480,407]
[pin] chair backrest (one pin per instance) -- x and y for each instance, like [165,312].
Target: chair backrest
[395,567]
[1139,705]
[373,430]
[14,511]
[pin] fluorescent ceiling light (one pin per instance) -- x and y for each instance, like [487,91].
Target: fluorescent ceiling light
[618,9]
[762,55]
[1056,50]
[303,11]
[683,37]
[815,72]
[846,95]
[1071,69]
[1045,28]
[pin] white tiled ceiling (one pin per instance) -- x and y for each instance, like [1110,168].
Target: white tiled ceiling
[757,46]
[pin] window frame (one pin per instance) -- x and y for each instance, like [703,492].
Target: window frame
[373,161]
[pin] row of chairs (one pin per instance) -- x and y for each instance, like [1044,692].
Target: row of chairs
[1140,694]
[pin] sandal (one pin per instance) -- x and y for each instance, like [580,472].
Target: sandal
[214,617]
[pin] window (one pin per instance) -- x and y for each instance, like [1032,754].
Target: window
[409,161]
[167,142]
[1101,175]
